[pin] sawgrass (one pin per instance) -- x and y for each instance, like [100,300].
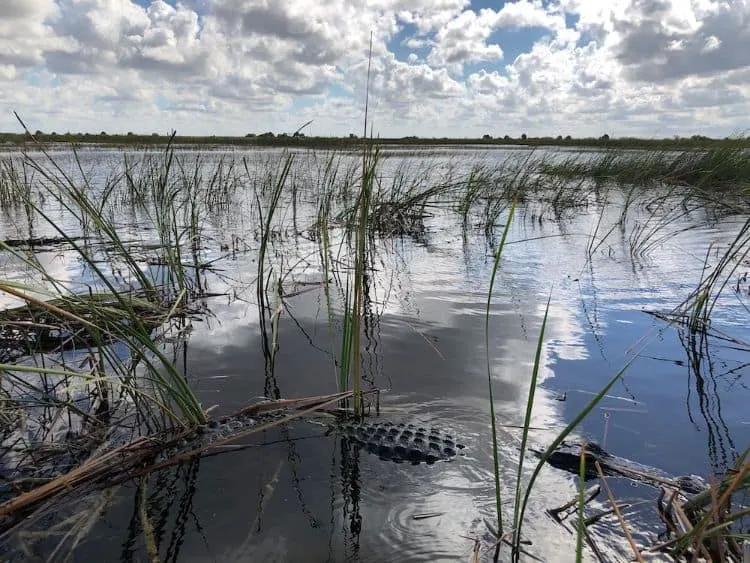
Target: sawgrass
[724,165]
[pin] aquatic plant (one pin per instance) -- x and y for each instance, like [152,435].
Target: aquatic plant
[709,168]
[493,421]
[139,293]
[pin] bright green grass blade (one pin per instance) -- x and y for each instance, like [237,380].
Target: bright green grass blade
[495,456]
[529,409]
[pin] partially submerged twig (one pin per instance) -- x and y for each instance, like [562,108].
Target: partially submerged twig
[624,526]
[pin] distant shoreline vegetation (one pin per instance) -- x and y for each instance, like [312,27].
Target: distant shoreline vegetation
[269,139]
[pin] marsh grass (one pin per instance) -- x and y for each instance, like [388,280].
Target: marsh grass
[700,304]
[490,395]
[717,167]
[14,183]
[266,312]
[356,205]
[94,324]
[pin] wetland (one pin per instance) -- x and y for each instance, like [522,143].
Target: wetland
[202,352]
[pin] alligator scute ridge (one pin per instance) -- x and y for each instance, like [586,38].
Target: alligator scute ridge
[396,442]
[400,442]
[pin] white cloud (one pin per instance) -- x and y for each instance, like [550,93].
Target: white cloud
[523,13]
[439,67]
[464,39]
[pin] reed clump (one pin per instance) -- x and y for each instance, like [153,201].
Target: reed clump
[721,166]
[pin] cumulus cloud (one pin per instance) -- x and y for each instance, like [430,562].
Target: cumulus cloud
[662,40]
[464,39]
[438,66]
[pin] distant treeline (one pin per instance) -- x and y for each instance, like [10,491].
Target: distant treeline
[301,140]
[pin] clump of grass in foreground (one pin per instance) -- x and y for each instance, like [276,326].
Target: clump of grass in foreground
[705,526]
[94,320]
[723,165]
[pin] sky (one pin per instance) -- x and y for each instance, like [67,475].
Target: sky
[439,68]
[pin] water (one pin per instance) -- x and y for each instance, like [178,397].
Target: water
[296,494]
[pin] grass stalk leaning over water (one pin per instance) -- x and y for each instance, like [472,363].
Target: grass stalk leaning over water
[701,302]
[553,446]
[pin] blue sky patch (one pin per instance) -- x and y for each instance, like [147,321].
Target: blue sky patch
[514,42]
[400,50]
[162,102]
[39,78]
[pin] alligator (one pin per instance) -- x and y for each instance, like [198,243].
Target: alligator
[396,442]
[400,442]
[567,456]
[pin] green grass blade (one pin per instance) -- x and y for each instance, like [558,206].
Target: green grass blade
[495,455]
[529,409]
[557,441]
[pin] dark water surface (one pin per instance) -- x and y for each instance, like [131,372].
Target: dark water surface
[299,495]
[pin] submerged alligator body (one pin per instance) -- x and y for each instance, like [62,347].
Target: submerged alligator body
[389,441]
[567,457]
[400,442]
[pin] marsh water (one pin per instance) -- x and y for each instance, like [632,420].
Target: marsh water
[300,494]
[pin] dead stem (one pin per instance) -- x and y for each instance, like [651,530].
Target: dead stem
[624,526]
[148,530]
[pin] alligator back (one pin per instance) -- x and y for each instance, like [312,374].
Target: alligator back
[400,442]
